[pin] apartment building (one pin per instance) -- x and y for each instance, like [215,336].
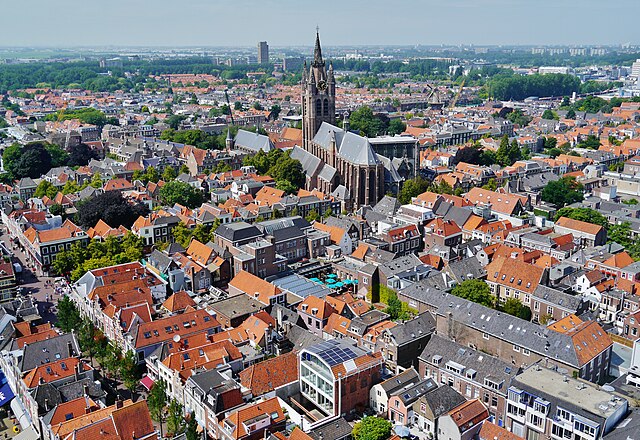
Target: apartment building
[548,404]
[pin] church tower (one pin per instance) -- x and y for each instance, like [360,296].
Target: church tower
[318,96]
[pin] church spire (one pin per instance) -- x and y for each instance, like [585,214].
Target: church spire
[317,53]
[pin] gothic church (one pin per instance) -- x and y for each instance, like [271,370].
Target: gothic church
[335,160]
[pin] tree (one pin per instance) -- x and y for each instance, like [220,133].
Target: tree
[169,173]
[564,191]
[571,114]
[33,160]
[584,215]
[68,315]
[175,418]
[152,175]
[56,209]
[96,181]
[368,124]
[184,169]
[129,371]
[192,428]
[396,126]
[46,188]
[550,114]
[87,334]
[372,428]
[475,290]
[70,187]
[110,207]
[237,105]
[157,401]
[514,307]
[620,234]
[397,309]
[312,216]
[412,188]
[275,111]
[59,157]
[80,155]
[181,193]
[508,154]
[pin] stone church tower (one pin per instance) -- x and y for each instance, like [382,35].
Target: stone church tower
[318,96]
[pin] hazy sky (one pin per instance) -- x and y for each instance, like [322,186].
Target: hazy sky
[293,22]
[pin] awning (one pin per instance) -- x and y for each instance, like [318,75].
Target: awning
[20,413]
[147,382]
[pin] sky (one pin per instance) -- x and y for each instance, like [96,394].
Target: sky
[67,23]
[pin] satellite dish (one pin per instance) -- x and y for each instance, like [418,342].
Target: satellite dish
[176,338]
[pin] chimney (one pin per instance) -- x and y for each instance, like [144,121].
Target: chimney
[70,348]
[118,403]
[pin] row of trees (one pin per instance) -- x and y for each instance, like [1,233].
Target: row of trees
[88,115]
[76,261]
[124,367]
[116,364]
[37,158]
[518,87]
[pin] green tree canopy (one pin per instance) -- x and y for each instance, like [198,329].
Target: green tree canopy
[564,191]
[412,188]
[182,193]
[475,290]
[372,428]
[68,315]
[514,307]
[368,124]
[583,214]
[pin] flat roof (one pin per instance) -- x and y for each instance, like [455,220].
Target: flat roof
[578,393]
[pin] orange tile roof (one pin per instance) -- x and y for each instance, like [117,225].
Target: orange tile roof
[502,203]
[72,409]
[53,371]
[200,252]
[335,232]
[270,374]
[469,414]
[165,329]
[254,286]
[265,408]
[491,431]
[337,323]
[178,302]
[577,225]
[589,339]
[619,260]
[514,273]
[323,309]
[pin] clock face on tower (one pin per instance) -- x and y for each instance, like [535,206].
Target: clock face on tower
[322,85]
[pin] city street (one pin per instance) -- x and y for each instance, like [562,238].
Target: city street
[39,288]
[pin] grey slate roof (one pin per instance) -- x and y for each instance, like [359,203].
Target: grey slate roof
[400,381]
[468,268]
[337,429]
[443,399]
[413,393]
[49,350]
[253,141]
[421,325]
[352,147]
[238,231]
[557,297]
[387,206]
[310,163]
[481,363]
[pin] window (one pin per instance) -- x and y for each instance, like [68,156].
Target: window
[485,336]
[516,348]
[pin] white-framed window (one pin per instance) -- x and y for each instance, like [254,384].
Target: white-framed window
[516,348]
